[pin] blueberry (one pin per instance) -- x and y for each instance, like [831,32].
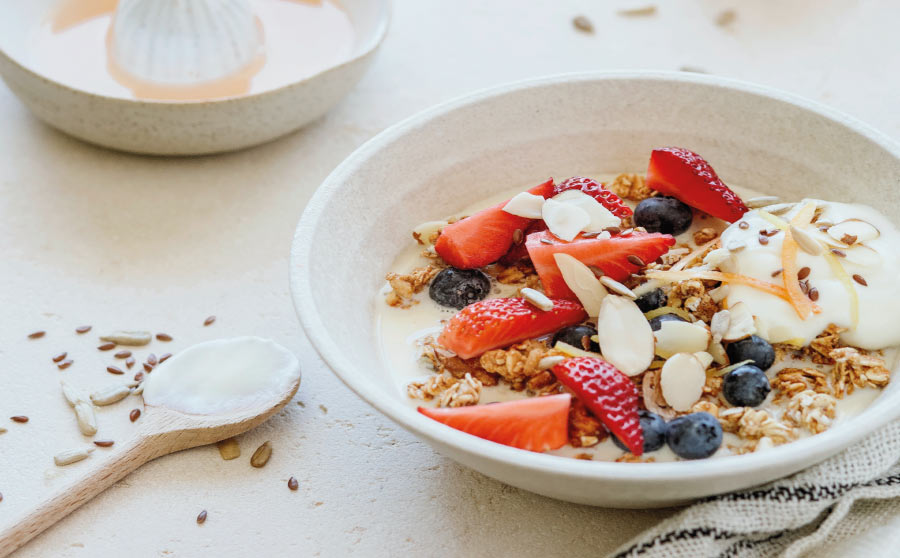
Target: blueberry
[578,336]
[694,436]
[752,348]
[663,215]
[652,300]
[459,288]
[656,323]
[654,427]
[746,386]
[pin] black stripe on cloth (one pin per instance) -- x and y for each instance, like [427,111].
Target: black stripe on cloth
[811,493]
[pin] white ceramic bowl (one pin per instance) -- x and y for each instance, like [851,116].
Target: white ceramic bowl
[172,127]
[453,155]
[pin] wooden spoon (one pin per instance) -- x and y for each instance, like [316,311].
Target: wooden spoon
[159,431]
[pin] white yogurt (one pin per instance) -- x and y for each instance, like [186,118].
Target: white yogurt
[222,376]
[879,305]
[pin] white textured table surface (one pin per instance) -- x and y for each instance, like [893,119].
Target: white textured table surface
[92,236]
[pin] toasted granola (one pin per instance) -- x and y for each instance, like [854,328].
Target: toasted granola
[520,273]
[692,296]
[442,361]
[704,235]
[819,349]
[706,407]
[629,457]
[463,392]
[630,187]
[432,387]
[751,423]
[403,287]
[790,381]
[853,368]
[585,429]
[518,364]
[812,410]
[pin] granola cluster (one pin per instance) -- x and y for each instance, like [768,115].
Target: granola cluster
[519,273]
[403,287]
[450,391]
[519,365]
[693,297]
[853,368]
[630,187]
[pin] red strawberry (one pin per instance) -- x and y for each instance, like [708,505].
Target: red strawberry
[484,237]
[608,393]
[682,174]
[534,424]
[519,252]
[608,254]
[596,190]
[500,322]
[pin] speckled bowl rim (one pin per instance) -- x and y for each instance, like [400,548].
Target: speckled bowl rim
[780,458]
[361,52]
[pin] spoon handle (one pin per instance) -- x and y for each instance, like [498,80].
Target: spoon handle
[83,486]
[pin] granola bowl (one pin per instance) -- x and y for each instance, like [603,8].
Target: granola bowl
[443,160]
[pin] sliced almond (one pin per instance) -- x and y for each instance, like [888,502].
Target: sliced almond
[525,205]
[705,358]
[550,362]
[780,208]
[862,255]
[717,351]
[582,281]
[537,298]
[761,201]
[722,258]
[601,217]
[720,324]
[682,380]
[617,287]
[565,220]
[680,337]
[856,229]
[741,324]
[624,335]
[806,241]
[720,293]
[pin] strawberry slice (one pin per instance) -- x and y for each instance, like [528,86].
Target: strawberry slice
[500,322]
[611,255]
[682,174]
[596,190]
[534,424]
[484,237]
[608,393]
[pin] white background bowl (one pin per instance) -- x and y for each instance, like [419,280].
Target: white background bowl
[446,158]
[173,127]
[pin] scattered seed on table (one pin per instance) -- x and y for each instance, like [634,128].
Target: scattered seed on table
[103,443]
[1,496]
[64,364]
[129,362]
[148,367]
[261,456]
[229,449]
[19,418]
[293,484]
[151,359]
[122,354]
[134,414]
[803,273]
[129,338]
[163,337]
[107,347]
[82,329]
[71,456]
[583,24]
[60,356]
[109,395]
[209,321]
[36,334]
[860,279]
[114,370]
[165,357]
[201,518]
[613,230]
[3,430]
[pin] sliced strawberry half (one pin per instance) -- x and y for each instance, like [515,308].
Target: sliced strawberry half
[608,393]
[484,237]
[596,190]
[533,424]
[611,255]
[500,322]
[519,251]
[682,174]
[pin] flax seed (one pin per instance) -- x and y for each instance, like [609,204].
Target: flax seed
[763,239]
[129,362]
[518,237]
[293,484]
[122,354]
[103,443]
[613,230]
[139,377]
[64,364]
[151,359]
[114,370]
[209,321]
[849,239]
[201,518]
[163,337]
[813,294]
[82,329]
[19,418]
[134,415]
[777,272]
[60,356]
[860,279]
[36,334]
[839,253]
[744,225]
[164,357]
[107,347]
[803,273]
[148,367]
[583,24]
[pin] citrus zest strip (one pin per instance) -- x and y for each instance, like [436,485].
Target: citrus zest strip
[789,248]
[733,278]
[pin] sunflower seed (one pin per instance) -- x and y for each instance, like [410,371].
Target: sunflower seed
[537,299]
[84,415]
[229,449]
[617,287]
[261,456]
[71,456]
[550,362]
[761,201]
[806,242]
[109,395]
[72,395]
[648,10]
[129,338]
